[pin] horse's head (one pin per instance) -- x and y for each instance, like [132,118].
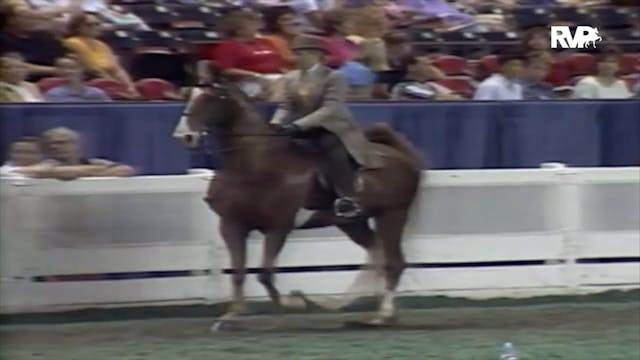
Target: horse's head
[212,106]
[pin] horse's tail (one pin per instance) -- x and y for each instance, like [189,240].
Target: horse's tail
[382,133]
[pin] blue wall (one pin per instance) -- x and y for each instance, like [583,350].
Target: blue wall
[455,135]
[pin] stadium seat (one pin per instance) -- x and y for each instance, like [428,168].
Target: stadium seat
[48,83]
[574,15]
[115,89]
[461,86]
[156,89]
[156,16]
[155,39]
[193,17]
[119,39]
[526,18]
[452,65]
[164,65]
[488,65]
[580,64]
[613,18]
[197,36]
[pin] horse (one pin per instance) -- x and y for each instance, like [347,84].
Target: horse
[267,186]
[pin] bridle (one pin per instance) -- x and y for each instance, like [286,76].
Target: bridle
[204,138]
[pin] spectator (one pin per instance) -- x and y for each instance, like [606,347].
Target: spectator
[360,73]
[13,87]
[535,42]
[604,84]
[338,27]
[112,17]
[47,15]
[418,83]
[309,13]
[39,48]
[533,85]
[24,153]
[252,60]
[281,29]
[65,161]
[74,89]
[95,55]
[503,85]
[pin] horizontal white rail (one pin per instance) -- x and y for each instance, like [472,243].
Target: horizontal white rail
[474,233]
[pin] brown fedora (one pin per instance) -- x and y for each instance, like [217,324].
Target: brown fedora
[308,43]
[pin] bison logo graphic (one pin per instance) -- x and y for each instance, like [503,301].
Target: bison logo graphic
[584,37]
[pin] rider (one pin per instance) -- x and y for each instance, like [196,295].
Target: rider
[315,109]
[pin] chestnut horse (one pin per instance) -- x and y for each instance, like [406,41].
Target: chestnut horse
[268,186]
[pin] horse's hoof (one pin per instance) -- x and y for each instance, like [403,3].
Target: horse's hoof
[295,301]
[225,325]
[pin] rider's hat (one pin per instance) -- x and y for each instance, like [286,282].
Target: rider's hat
[308,43]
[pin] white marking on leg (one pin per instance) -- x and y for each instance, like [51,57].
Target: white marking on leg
[302,216]
[387,305]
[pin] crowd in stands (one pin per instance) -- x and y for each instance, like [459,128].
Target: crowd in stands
[394,50]
[57,154]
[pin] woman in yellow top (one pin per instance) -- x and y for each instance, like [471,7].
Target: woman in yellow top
[82,39]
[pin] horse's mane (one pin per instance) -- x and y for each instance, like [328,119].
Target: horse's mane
[382,133]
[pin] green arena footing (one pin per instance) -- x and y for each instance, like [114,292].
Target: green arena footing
[264,307]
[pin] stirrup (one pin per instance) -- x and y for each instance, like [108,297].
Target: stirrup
[346,207]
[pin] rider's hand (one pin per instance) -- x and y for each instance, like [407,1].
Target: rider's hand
[290,129]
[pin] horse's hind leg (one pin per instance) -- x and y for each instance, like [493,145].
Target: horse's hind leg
[389,229]
[360,233]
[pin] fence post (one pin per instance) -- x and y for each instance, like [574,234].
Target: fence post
[570,222]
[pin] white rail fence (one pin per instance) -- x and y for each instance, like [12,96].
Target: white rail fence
[473,233]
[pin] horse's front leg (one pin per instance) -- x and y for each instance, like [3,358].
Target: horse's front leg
[274,241]
[235,237]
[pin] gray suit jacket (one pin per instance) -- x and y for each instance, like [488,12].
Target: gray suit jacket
[319,100]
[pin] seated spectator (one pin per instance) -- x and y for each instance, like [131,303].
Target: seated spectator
[48,15]
[535,42]
[281,29]
[360,73]
[398,50]
[94,54]
[74,89]
[604,84]
[113,18]
[309,13]
[533,85]
[65,160]
[418,83]
[338,27]
[24,153]
[252,60]
[505,84]
[13,87]
[39,48]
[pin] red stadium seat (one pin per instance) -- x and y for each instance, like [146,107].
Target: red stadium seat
[49,83]
[115,89]
[156,89]
[629,64]
[461,86]
[452,65]
[488,65]
[581,64]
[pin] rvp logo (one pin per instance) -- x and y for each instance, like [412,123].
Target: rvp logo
[584,36]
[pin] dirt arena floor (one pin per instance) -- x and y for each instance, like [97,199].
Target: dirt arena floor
[588,329]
